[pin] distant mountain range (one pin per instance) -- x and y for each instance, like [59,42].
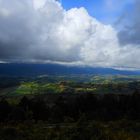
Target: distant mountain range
[55,69]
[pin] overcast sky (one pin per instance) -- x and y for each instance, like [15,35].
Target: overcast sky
[98,33]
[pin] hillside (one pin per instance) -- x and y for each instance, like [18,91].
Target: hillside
[13,69]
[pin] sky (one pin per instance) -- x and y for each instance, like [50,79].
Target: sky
[97,33]
[107,11]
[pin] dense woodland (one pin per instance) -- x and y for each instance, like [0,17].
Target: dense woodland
[71,117]
[72,107]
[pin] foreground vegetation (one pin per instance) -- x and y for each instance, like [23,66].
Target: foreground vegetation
[117,130]
[70,117]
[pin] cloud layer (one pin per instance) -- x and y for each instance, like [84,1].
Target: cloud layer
[32,31]
[131,25]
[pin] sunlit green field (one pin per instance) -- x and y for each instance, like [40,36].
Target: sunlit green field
[70,84]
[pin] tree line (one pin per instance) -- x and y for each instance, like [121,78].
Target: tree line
[92,107]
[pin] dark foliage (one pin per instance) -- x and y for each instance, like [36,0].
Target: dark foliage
[93,107]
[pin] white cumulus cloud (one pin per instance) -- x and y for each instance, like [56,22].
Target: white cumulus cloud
[43,31]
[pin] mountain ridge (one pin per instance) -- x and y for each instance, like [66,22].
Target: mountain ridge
[22,69]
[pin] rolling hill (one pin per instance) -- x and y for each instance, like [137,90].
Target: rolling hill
[13,69]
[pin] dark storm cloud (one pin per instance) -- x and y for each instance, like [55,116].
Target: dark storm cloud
[130,22]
